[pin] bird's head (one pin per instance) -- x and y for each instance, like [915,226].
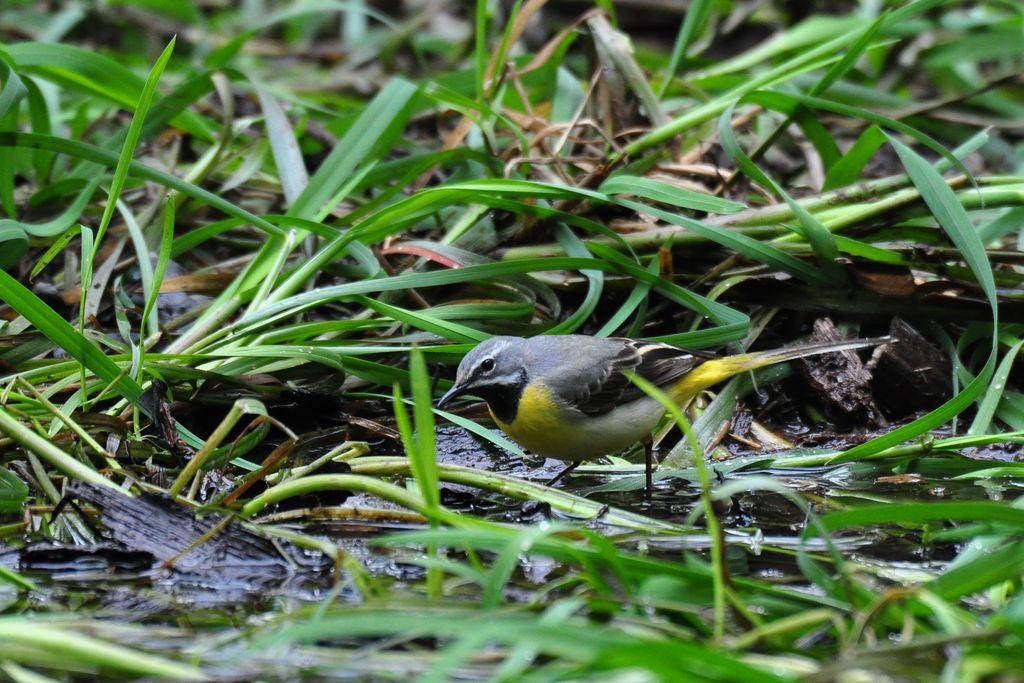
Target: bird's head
[492,368]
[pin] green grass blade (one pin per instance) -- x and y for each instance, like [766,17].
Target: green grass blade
[91,73]
[78,651]
[291,169]
[884,122]
[382,119]
[46,450]
[817,235]
[694,19]
[751,248]
[808,60]
[425,321]
[286,307]
[846,171]
[990,402]
[88,152]
[13,87]
[13,244]
[574,247]
[67,218]
[425,461]
[15,579]
[11,94]
[839,69]
[132,140]
[149,313]
[13,492]
[917,513]
[655,190]
[953,219]
[997,565]
[66,337]
[80,69]
[635,300]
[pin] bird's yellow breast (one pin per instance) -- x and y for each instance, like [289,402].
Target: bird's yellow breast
[537,423]
[546,427]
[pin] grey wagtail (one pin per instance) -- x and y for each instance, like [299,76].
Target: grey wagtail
[566,397]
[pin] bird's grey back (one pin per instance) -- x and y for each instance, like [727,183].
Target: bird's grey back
[570,358]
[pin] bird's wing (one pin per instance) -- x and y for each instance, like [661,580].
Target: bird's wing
[657,363]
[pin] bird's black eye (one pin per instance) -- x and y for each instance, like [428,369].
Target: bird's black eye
[487,364]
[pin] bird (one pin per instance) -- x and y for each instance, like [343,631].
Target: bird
[569,397]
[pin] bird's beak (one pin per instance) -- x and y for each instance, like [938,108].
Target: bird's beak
[454,392]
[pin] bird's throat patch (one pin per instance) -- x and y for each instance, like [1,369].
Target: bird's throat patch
[503,401]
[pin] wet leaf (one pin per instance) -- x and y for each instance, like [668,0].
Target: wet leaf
[13,492]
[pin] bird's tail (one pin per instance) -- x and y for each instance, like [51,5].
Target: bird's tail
[716,370]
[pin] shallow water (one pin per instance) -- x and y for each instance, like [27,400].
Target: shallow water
[762,530]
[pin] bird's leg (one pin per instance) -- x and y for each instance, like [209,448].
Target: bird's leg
[567,470]
[648,444]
